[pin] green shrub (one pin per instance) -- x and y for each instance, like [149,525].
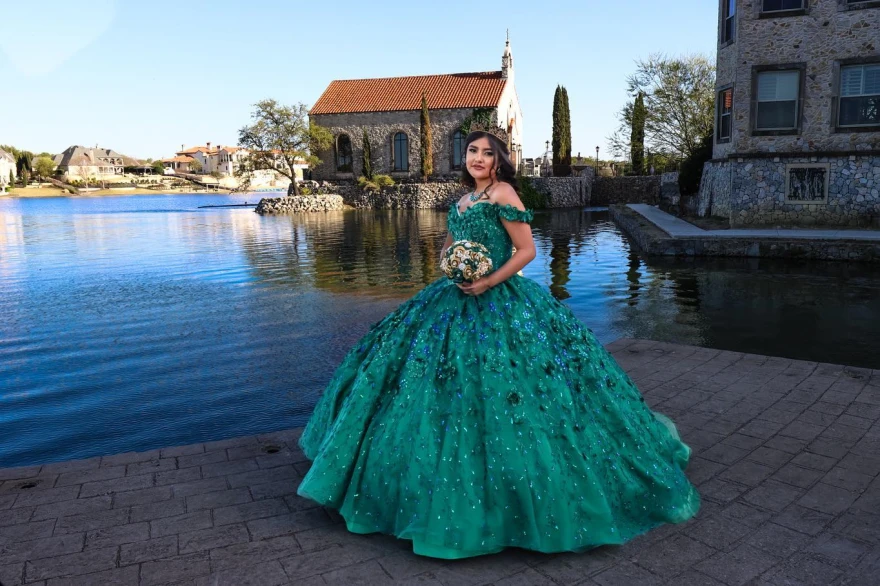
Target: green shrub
[529,194]
[692,167]
[378,182]
[367,185]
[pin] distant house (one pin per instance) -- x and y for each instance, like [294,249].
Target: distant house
[178,164]
[79,162]
[224,160]
[389,110]
[7,166]
[229,159]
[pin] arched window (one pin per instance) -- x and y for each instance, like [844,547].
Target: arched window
[400,149]
[343,153]
[457,149]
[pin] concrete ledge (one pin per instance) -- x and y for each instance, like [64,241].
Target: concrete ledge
[656,236]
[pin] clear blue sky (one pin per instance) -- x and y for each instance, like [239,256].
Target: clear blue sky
[144,78]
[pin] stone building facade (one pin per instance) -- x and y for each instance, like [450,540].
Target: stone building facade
[797,128]
[389,109]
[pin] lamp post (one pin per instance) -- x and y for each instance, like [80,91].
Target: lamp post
[597,161]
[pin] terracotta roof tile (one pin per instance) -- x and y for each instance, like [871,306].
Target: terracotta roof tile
[455,90]
[194,150]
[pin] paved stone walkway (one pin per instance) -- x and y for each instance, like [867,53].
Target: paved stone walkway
[678,228]
[787,458]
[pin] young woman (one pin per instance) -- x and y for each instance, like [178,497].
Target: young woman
[482,416]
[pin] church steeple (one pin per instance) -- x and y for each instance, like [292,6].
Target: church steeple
[507,60]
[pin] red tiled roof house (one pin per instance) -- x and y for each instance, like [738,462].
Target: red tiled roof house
[389,110]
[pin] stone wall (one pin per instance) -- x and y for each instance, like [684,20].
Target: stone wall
[752,191]
[299,203]
[381,128]
[403,195]
[714,197]
[565,192]
[670,192]
[561,192]
[758,192]
[614,190]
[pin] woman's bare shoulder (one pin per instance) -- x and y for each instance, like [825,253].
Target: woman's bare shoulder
[504,194]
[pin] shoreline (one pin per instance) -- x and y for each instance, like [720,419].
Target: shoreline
[36,192]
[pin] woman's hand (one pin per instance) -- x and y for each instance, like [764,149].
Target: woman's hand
[478,287]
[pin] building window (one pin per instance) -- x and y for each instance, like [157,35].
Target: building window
[778,100]
[400,161]
[860,95]
[856,4]
[725,115]
[728,21]
[807,183]
[343,153]
[457,149]
[782,5]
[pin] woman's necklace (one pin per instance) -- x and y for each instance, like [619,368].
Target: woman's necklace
[477,196]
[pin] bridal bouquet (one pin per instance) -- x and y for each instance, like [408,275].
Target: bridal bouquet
[466,261]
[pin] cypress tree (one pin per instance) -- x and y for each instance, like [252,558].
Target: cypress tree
[367,170]
[558,130]
[11,178]
[561,133]
[566,151]
[427,150]
[637,136]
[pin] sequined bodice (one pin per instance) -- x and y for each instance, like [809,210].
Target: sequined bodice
[482,223]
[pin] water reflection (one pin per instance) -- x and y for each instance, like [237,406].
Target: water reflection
[355,252]
[138,322]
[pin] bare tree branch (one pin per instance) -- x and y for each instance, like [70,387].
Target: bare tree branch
[679,97]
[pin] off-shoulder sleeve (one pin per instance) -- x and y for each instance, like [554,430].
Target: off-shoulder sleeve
[510,213]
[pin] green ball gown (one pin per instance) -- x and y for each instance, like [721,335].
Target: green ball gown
[468,424]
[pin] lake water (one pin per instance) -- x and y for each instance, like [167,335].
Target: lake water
[129,323]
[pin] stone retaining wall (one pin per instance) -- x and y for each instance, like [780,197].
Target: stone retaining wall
[299,203]
[565,192]
[670,192]
[755,191]
[619,190]
[561,192]
[403,195]
[654,241]
[714,197]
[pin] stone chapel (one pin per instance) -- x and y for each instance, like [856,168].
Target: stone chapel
[389,109]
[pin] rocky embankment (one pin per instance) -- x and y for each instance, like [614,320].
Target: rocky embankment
[299,203]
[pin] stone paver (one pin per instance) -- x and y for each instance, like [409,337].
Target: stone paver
[786,458]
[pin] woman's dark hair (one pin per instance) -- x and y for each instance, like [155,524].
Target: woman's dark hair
[504,170]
